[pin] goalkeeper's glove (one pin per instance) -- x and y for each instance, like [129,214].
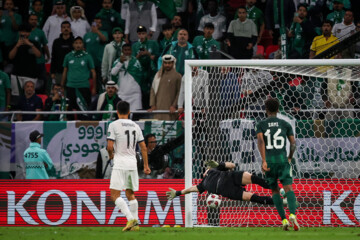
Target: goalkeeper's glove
[212,164]
[172,194]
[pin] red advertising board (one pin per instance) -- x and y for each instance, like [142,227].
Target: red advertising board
[327,202]
[84,202]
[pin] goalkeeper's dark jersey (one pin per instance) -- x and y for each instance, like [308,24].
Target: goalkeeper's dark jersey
[275,132]
[225,183]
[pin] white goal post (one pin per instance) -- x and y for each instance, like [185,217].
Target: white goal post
[225,117]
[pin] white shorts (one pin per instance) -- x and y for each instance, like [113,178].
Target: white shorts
[124,179]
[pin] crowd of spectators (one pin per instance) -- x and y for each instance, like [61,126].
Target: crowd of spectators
[80,52]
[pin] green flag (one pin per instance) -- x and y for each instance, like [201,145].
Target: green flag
[168,7]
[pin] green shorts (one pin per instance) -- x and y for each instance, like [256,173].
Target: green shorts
[281,171]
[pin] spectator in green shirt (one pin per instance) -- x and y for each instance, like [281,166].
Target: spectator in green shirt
[338,14]
[37,9]
[5,93]
[78,65]
[9,24]
[147,52]
[95,42]
[167,32]
[38,36]
[109,17]
[257,16]
[204,44]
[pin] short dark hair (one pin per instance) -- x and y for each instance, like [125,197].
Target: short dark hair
[166,26]
[302,5]
[126,45]
[25,27]
[215,1]
[241,7]
[329,22]
[123,107]
[33,3]
[78,38]
[65,22]
[272,105]
[146,138]
[349,10]
[32,14]
[209,25]
[56,85]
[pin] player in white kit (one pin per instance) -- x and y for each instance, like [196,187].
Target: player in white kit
[123,135]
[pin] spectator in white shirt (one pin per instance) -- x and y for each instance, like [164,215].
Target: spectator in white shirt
[52,26]
[344,30]
[215,18]
[79,24]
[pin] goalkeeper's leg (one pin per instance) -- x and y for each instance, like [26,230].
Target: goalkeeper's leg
[252,197]
[248,178]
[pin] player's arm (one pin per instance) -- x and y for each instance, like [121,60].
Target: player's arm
[261,147]
[173,193]
[292,147]
[145,157]
[110,148]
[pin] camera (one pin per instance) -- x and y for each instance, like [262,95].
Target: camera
[93,24]
[142,49]
[22,36]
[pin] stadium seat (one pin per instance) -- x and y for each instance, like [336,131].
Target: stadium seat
[260,50]
[43,98]
[270,49]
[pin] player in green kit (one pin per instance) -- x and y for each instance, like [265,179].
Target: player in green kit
[271,134]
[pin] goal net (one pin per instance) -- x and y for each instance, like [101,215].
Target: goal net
[321,101]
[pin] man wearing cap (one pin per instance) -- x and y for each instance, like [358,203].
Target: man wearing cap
[181,50]
[338,14]
[112,52]
[129,75]
[107,102]
[37,161]
[165,89]
[204,44]
[147,52]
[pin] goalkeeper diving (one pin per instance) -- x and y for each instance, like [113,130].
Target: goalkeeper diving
[220,179]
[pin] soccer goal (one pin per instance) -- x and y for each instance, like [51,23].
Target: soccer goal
[319,98]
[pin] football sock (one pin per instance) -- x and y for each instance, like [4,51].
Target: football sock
[134,206]
[259,181]
[279,205]
[121,204]
[261,199]
[291,201]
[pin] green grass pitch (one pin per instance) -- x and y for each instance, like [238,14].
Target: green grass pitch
[115,233]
